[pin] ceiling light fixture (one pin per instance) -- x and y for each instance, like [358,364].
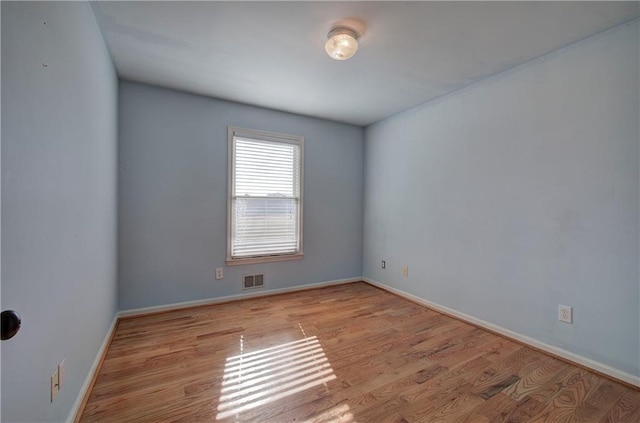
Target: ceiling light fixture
[342,43]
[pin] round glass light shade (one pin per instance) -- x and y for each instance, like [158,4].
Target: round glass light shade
[341,44]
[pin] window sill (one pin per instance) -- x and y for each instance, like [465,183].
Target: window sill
[267,259]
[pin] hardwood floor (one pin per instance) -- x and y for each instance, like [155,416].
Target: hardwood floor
[347,353]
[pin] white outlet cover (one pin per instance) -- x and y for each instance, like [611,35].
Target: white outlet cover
[55,385]
[565,313]
[219,273]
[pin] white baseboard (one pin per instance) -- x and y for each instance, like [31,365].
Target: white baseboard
[553,350]
[92,370]
[252,294]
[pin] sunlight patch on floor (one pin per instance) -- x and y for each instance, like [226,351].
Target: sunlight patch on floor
[338,414]
[259,377]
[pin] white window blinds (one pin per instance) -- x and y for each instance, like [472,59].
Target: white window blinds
[265,196]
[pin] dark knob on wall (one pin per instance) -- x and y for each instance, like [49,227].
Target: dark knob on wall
[10,324]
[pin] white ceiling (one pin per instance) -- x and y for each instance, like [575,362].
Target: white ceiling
[271,54]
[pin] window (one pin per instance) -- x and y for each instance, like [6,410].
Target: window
[265,197]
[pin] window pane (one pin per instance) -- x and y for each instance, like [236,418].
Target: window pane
[265,226]
[265,196]
[266,168]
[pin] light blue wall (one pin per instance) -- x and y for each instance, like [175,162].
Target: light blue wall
[518,194]
[59,99]
[173,193]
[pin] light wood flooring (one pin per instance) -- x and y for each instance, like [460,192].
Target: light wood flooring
[346,353]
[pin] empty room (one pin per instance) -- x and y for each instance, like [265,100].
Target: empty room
[327,212]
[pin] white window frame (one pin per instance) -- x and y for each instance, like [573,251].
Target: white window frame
[232,133]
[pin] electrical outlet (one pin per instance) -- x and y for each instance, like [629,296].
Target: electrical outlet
[61,375]
[55,385]
[565,313]
[405,270]
[383,264]
[219,273]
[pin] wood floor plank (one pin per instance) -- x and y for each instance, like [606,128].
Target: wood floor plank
[625,410]
[342,354]
[534,376]
[596,404]
[564,406]
[493,410]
